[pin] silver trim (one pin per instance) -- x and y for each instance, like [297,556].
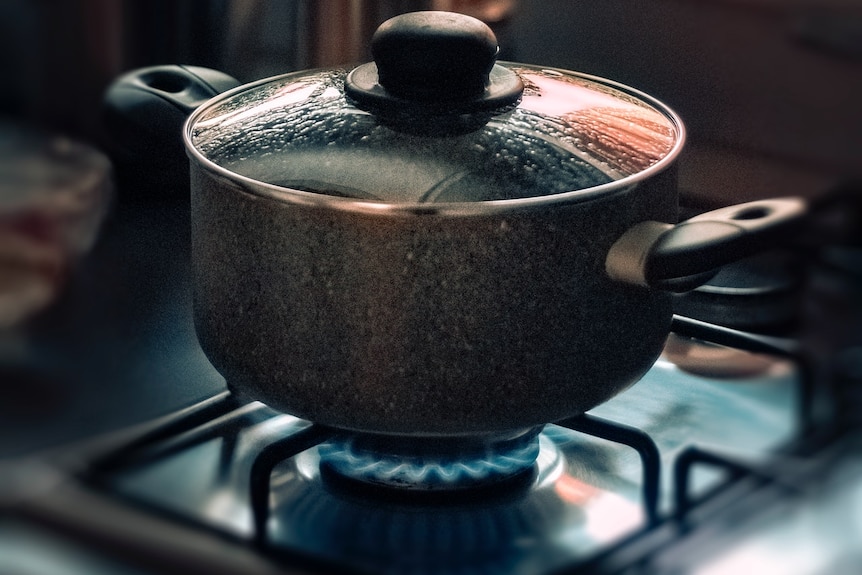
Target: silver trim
[627,258]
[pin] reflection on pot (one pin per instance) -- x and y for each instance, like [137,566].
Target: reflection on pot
[621,135]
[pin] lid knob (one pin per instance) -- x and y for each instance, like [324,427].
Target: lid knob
[434,72]
[434,56]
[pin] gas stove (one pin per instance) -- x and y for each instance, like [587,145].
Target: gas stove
[232,486]
[738,452]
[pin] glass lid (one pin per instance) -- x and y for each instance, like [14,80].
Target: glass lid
[523,132]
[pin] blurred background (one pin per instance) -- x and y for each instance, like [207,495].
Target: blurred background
[779,81]
[770,91]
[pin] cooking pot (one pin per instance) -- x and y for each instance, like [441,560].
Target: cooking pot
[434,243]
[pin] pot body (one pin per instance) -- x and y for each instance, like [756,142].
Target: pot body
[423,322]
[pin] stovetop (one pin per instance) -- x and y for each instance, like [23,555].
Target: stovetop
[586,492]
[599,479]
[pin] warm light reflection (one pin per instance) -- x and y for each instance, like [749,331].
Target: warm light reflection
[287,96]
[607,515]
[551,94]
[625,135]
[573,490]
[610,516]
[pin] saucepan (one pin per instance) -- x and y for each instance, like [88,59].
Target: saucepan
[435,243]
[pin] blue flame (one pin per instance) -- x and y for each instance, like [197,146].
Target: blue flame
[431,472]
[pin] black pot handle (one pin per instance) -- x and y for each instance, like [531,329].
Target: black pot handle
[683,256]
[145,109]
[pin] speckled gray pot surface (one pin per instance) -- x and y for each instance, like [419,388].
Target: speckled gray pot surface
[397,249]
[423,322]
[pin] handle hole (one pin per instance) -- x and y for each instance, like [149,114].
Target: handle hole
[752,213]
[166,82]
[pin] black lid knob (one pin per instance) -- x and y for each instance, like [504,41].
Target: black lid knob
[434,56]
[433,64]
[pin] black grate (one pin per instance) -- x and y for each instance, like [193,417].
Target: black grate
[223,416]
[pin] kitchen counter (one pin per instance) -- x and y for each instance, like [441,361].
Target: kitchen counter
[118,346]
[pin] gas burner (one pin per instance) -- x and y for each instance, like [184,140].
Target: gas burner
[431,464]
[384,530]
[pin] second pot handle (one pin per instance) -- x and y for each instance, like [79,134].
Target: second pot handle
[683,256]
[145,109]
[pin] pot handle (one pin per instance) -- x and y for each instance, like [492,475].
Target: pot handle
[681,257]
[145,109]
